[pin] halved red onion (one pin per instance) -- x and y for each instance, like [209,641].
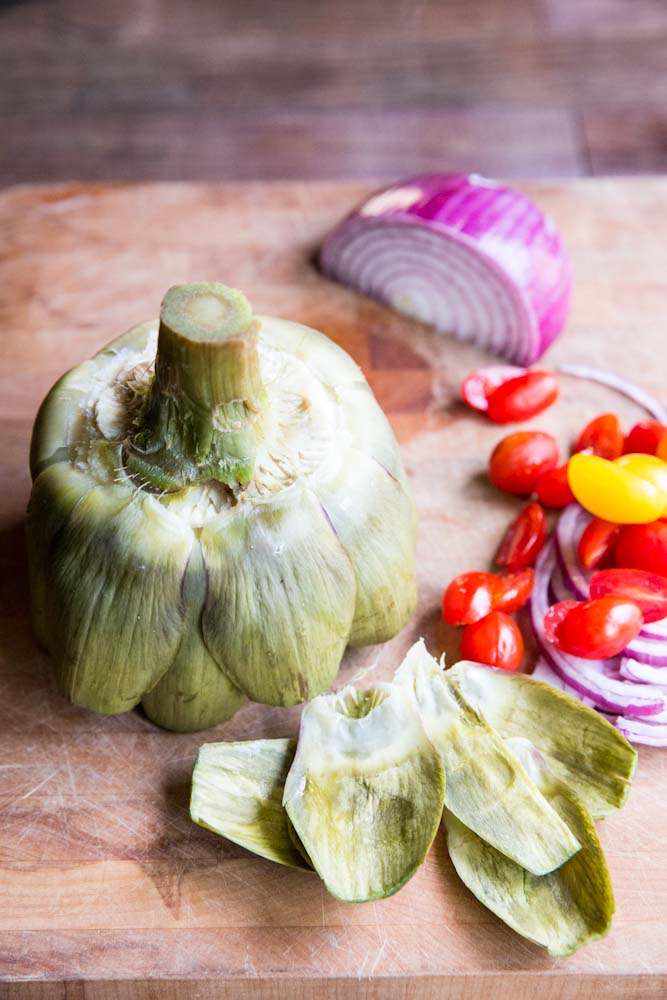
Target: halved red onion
[623,385]
[648,732]
[570,528]
[472,257]
[598,680]
[643,673]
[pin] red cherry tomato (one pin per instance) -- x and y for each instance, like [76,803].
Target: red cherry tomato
[523,539]
[594,630]
[470,596]
[553,489]
[642,546]
[522,397]
[520,460]
[596,544]
[478,386]
[644,438]
[647,590]
[494,640]
[518,586]
[603,436]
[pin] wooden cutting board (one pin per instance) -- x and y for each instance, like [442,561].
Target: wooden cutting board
[107,890]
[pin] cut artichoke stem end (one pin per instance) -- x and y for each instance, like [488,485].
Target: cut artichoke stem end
[203,417]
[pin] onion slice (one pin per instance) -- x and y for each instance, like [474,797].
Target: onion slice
[623,385]
[644,731]
[643,673]
[472,257]
[570,528]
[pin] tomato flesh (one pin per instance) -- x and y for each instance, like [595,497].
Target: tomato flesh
[594,630]
[494,640]
[553,489]
[647,590]
[480,384]
[522,397]
[642,546]
[518,586]
[520,460]
[470,596]
[523,539]
[603,436]
[644,438]
[596,545]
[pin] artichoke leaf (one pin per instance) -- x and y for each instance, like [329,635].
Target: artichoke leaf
[237,791]
[369,429]
[365,792]
[488,788]
[582,749]
[562,910]
[329,363]
[373,516]
[280,599]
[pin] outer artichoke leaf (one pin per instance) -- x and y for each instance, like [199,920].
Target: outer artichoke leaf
[237,791]
[60,417]
[581,747]
[115,583]
[560,911]
[134,340]
[488,788]
[365,792]
[280,598]
[369,428]
[329,363]
[373,516]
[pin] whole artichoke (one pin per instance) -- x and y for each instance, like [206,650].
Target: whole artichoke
[218,508]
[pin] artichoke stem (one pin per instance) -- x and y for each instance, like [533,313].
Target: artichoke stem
[202,419]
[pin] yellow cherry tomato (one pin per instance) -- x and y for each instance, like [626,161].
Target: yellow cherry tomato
[613,493]
[646,467]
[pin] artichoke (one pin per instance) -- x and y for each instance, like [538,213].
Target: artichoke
[218,508]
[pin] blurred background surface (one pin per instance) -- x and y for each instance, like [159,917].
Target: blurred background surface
[262,89]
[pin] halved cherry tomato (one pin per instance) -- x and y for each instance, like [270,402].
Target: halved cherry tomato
[479,385]
[644,438]
[520,460]
[642,546]
[518,586]
[470,596]
[522,397]
[596,544]
[553,489]
[603,436]
[523,539]
[494,640]
[662,448]
[647,590]
[594,630]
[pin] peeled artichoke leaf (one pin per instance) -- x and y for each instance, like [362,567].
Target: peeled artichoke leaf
[365,792]
[562,910]
[488,788]
[237,791]
[582,748]
[280,600]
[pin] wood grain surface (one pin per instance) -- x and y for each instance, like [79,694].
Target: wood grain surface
[107,891]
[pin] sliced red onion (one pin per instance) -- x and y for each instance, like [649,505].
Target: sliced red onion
[651,652]
[470,256]
[543,672]
[570,528]
[655,630]
[598,680]
[645,731]
[558,589]
[623,385]
[643,673]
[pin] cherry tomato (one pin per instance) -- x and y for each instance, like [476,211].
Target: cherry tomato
[523,539]
[662,448]
[613,493]
[520,460]
[644,438]
[553,489]
[596,544]
[603,436]
[647,590]
[522,397]
[518,586]
[594,630]
[646,467]
[494,640]
[642,546]
[478,386]
[470,596]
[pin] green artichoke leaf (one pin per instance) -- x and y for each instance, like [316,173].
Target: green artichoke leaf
[329,363]
[373,516]
[237,791]
[365,792]
[488,788]
[560,911]
[581,748]
[281,596]
[369,429]
[112,590]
